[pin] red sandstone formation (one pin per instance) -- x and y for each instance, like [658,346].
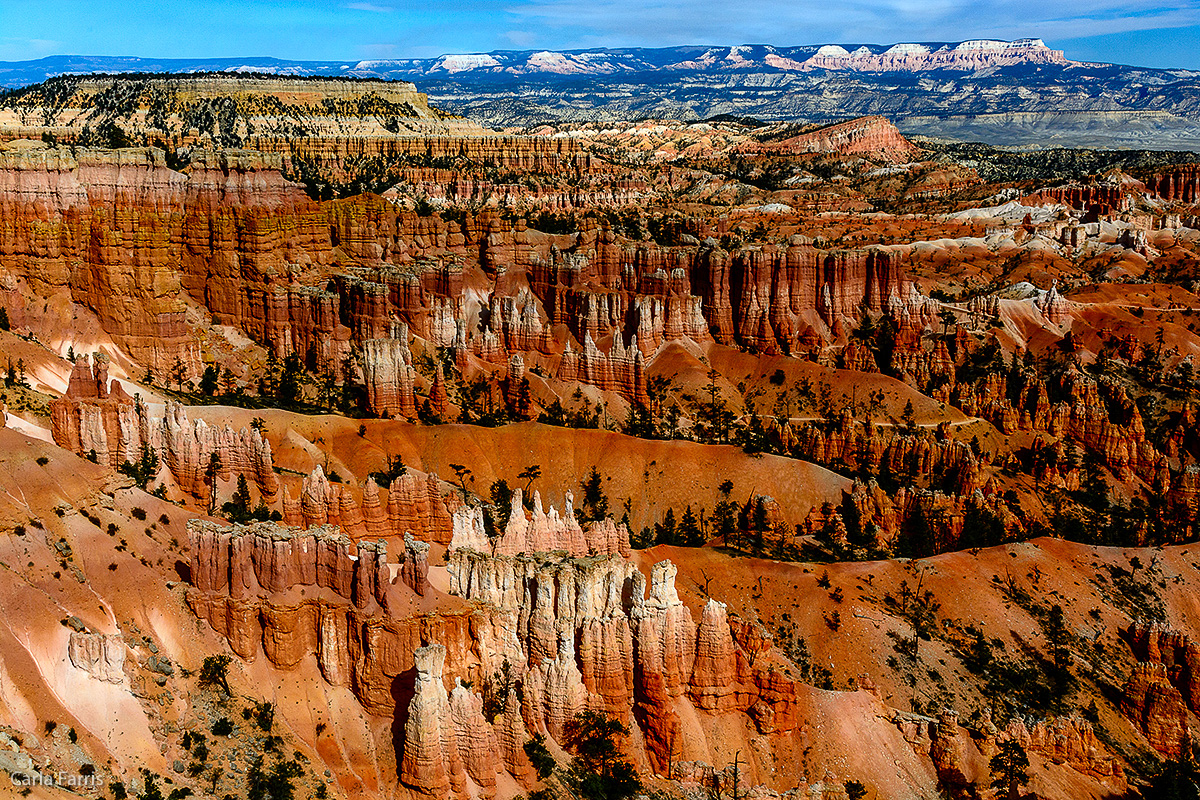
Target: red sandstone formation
[97,416]
[512,736]
[1157,709]
[1054,307]
[243,560]
[439,402]
[1099,414]
[541,532]
[635,652]
[477,742]
[412,504]
[1180,184]
[620,370]
[715,684]
[948,752]
[390,377]
[257,253]
[414,571]
[432,763]
[864,136]
[1105,198]
[1067,740]
[1158,644]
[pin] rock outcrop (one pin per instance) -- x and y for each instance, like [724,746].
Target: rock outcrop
[100,655]
[1067,740]
[413,503]
[97,419]
[477,743]
[1157,709]
[1160,645]
[389,376]
[432,763]
[948,752]
[864,136]
[244,560]
[621,370]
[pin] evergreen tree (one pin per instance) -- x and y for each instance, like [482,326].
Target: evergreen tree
[1009,767]
[501,504]
[1059,637]
[145,469]
[238,507]
[758,525]
[665,532]
[288,392]
[210,474]
[1176,780]
[981,528]
[594,506]
[178,373]
[228,381]
[690,534]
[598,772]
[208,381]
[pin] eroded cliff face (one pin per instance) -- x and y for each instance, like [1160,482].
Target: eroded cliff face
[97,419]
[412,503]
[327,281]
[99,226]
[1164,686]
[550,620]
[126,236]
[874,135]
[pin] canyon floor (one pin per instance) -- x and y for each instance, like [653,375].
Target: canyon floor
[369,452]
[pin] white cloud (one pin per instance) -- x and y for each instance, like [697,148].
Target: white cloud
[370,7]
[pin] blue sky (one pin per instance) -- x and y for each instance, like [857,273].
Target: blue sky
[1125,31]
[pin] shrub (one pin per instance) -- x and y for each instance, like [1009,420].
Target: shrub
[264,715]
[139,513]
[214,673]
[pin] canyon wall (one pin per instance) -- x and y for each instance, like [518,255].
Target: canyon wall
[412,503]
[554,606]
[134,241]
[97,419]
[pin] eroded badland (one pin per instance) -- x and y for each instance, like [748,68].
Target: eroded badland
[351,445]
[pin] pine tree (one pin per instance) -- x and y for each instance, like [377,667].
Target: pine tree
[1009,767]
[665,532]
[208,381]
[594,506]
[690,534]
[238,507]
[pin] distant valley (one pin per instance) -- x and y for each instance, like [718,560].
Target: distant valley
[1019,93]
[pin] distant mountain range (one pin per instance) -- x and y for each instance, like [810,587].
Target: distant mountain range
[961,56]
[1017,93]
